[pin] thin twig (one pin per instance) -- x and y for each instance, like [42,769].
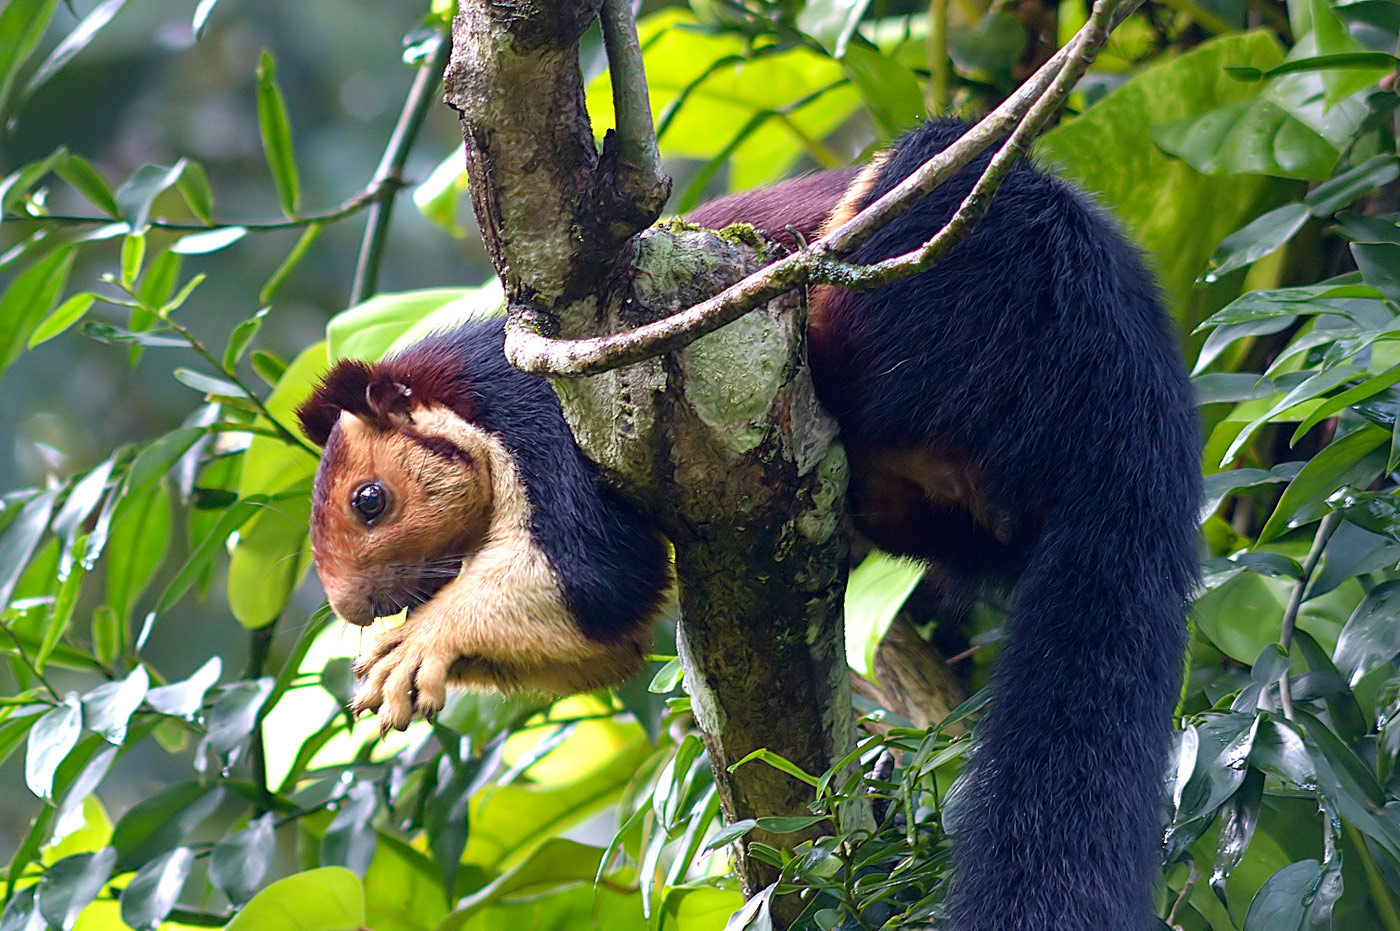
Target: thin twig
[534,352]
[1295,602]
[19,648]
[388,177]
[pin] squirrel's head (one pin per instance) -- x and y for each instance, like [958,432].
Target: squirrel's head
[403,492]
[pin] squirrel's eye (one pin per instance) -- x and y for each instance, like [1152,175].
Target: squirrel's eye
[369,501]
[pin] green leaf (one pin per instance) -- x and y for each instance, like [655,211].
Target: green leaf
[1372,633]
[29,299]
[889,89]
[1252,137]
[1317,384]
[1351,185]
[71,883]
[77,39]
[63,317]
[1278,905]
[271,557]
[87,181]
[367,330]
[268,366]
[193,185]
[50,740]
[350,839]
[1109,150]
[1378,62]
[1259,238]
[22,25]
[238,340]
[152,893]
[208,384]
[184,698]
[1325,473]
[289,264]
[276,132]
[108,708]
[241,860]
[211,241]
[875,592]
[778,762]
[139,539]
[1369,387]
[138,193]
[1380,266]
[831,22]
[57,624]
[161,822]
[327,899]
[1271,664]
[19,540]
[558,864]
[132,257]
[213,543]
[1219,485]
[235,714]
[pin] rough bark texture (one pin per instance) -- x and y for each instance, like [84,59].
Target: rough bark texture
[723,442]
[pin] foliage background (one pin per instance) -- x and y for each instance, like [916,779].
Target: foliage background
[172,725]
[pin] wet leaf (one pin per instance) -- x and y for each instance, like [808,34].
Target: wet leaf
[50,740]
[184,699]
[1372,633]
[108,708]
[241,860]
[71,883]
[152,893]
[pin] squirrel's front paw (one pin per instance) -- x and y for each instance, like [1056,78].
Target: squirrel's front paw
[404,673]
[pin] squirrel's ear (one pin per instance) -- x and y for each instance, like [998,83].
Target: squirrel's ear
[343,389]
[388,400]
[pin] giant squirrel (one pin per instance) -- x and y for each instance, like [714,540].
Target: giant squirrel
[1019,411]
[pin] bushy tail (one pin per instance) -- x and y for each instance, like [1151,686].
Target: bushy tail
[1058,823]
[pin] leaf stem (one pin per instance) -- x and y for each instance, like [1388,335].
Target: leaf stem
[388,177]
[1295,602]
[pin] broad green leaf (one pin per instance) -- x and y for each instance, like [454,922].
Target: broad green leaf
[160,823]
[402,890]
[74,42]
[1108,150]
[1376,64]
[241,860]
[875,592]
[235,713]
[71,883]
[1219,485]
[1318,384]
[50,740]
[889,90]
[1250,137]
[556,865]
[367,330]
[153,891]
[276,131]
[1350,66]
[29,299]
[1372,634]
[1278,906]
[108,708]
[327,899]
[1326,472]
[437,197]
[270,558]
[185,698]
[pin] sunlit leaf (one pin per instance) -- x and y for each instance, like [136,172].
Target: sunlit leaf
[152,892]
[327,899]
[50,740]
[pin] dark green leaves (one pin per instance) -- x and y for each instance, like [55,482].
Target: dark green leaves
[241,860]
[155,888]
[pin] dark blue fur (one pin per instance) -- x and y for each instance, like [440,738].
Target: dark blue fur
[1039,352]
[613,564]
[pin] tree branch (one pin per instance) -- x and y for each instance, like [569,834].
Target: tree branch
[639,171]
[388,177]
[1025,111]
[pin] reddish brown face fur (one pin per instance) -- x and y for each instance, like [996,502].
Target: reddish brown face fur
[430,501]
